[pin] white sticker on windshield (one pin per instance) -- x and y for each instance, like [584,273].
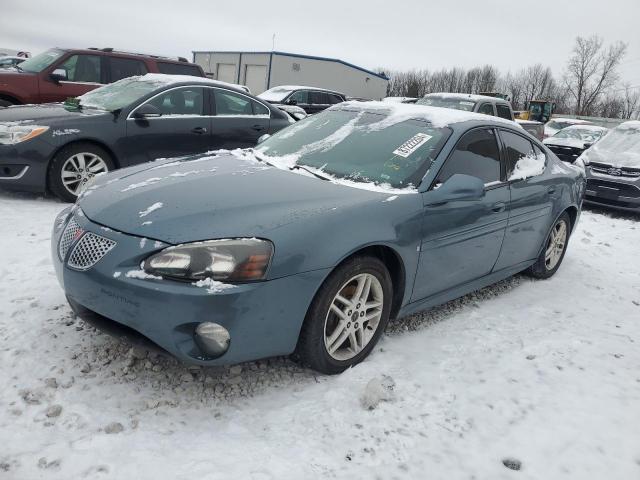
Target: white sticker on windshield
[467,103]
[411,145]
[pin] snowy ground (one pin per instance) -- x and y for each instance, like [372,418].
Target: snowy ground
[544,373]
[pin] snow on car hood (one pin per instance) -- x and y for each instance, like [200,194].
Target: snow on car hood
[564,142]
[212,196]
[619,148]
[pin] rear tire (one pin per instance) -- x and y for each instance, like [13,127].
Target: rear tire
[346,317]
[555,247]
[6,103]
[75,165]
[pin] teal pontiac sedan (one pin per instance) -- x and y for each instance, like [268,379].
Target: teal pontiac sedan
[310,243]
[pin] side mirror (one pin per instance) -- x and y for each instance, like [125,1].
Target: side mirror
[58,75]
[147,111]
[291,101]
[458,187]
[262,138]
[587,145]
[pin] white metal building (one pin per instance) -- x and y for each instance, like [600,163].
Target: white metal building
[262,70]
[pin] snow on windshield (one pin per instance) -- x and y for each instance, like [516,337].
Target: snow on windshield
[620,147]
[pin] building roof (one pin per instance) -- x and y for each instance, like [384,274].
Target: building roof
[297,55]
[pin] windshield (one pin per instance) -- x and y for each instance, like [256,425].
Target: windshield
[276,94]
[119,94]
[40,62]
[583,134]
[359,146]
[448,102]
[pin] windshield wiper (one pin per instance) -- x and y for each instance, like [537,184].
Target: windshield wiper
[261,158]
[312,172]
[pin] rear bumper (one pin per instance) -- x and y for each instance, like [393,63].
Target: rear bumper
[263,319]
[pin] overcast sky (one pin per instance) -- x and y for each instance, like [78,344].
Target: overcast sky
[397,35]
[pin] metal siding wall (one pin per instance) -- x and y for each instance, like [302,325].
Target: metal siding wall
[327,74]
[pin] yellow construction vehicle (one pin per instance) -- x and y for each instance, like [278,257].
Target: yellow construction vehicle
[537,110]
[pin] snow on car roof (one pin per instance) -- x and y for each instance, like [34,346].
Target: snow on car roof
[632,124]
[171,79]
[436,116]
[463,96]
[298,87]
[569,120]
[579,126]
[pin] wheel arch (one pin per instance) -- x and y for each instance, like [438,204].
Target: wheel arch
[394,263]
[572,211]
[10,98]
[93,141]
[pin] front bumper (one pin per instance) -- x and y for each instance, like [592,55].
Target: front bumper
[613,192]
[263,318]
[24,166]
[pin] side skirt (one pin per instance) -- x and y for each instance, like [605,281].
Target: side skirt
[461,290]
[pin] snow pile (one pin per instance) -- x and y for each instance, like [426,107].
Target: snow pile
[379,389]
[213,286]
[142,275]
[528,166]
[151,209]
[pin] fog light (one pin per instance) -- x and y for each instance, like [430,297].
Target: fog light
[213,339]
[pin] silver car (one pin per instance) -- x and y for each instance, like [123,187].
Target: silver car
[613,168]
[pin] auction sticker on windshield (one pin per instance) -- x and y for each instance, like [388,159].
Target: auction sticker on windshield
[411,145]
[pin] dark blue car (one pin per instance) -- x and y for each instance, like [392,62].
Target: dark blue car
[61,146]
[311,242]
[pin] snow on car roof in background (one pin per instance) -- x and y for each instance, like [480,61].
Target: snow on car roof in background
[593,128]
[570,120]
[171,79]
[464,96]
[436,116]
[632,124]
[297,87]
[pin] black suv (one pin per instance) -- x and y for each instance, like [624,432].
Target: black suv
[310,99]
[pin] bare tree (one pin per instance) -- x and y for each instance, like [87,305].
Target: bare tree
[592,70]
[631,101]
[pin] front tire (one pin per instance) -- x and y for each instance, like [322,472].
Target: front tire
[554,249]
[74,166]
[347,316]
[6,103]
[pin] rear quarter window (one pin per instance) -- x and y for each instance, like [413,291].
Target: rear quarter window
[179,69]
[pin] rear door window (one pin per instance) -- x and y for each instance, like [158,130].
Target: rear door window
[486,108]
[318,98]
[233,104]
[301,96]
[180,101]
[333,98]
[179,69]
[82,68]
[120,68]
[476,154]
[504,111]
[524,159]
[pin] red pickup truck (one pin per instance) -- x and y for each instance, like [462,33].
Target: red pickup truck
[57,74]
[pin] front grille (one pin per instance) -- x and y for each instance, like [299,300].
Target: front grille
[67,238]
[89,250]
[604,169]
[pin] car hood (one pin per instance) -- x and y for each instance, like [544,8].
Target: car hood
[218,195]
[623,158]
[44,114]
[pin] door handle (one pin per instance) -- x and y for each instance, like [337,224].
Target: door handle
[199,130]
[499,207]
[258,128]
[551,190]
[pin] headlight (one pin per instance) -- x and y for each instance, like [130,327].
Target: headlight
[12,134]
[234,260]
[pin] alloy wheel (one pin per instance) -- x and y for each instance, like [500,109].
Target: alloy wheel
[78,169]
[555,245]
[353,317]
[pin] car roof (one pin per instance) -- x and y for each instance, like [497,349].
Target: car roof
[302,87]
[168,80]
[467,96]
[437,116]
[576,121]
[119,53]
[580,126]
